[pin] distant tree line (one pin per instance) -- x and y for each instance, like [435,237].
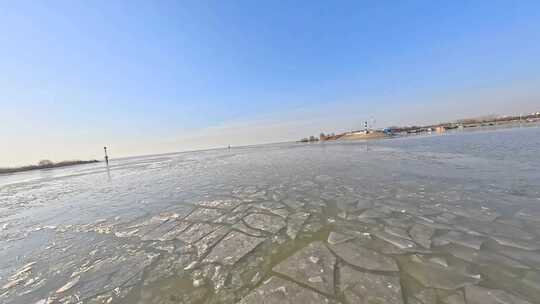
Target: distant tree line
[46,164]
[309,139]
[467,122]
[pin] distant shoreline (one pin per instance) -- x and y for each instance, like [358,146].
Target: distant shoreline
[46,166]
[469,123]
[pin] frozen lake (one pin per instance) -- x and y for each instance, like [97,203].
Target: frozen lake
[436,219]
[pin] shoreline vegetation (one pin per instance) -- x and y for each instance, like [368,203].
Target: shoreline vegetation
[46,164]
[486,121]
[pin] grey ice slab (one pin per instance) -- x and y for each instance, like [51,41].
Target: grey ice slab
[138,228]
[514,281]
[364,287]
[232,248]
[529,214]
[531,281]
[364,204]
[241,209]
[295,222]
[397,232]
[354,254]
[524,256]
[281,212]
[335,238]
[280,291]
[160,230]
[313,265]
[504,228]
[168,265]
[372,214]
[225,204]
[312,226]
[481,295]
[530,245]
[394,240]
[478,214]
[422,234]
[210,240]
[460,238]
[435,275]
[204,215]
[240,226]
[196,232]
[456,298]
[404,223]
[347,203]
[174,232]
[124,271]
[115,273]
[229,218]
[293,204]
[424,296]
[270,223]
[485,257]
[270,206]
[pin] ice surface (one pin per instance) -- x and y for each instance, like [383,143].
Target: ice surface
[313,265]
[444,219]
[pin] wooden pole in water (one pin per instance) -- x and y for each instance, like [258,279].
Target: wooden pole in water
[106,156]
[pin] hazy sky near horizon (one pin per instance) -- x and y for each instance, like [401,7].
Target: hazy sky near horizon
[146,77]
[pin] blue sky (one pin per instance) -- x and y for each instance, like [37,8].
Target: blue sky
[150,77]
